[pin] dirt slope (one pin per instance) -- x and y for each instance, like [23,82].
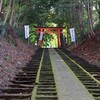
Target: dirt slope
[12,58]
[89,50]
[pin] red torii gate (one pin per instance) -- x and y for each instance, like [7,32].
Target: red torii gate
[43,30]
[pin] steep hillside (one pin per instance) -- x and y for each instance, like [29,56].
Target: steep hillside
[89,49]
[13,56]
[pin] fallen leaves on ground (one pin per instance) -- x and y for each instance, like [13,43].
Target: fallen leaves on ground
[12,59]
[89,50]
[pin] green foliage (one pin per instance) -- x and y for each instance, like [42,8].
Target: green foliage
[3,28]
[46,39]
[21,34]
[51,24]
[97,26]
[32,34]
[52,13]
[7,57]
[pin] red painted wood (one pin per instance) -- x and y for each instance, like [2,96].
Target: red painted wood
[59,43]
[49,30]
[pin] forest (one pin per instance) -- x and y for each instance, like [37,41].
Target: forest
[83,15]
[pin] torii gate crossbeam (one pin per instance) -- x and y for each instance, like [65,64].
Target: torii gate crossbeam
[43,30]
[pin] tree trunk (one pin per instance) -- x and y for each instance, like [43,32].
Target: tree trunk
[99,10]
[14,20]
[8,11]
[90,22]
[1,3]
[80,14]
[12,12]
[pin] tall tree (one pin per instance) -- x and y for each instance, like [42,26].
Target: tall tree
[8,11]
[12,12]
[1,3]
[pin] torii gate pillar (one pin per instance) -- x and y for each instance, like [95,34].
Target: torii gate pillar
[43,30]
[59,42]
